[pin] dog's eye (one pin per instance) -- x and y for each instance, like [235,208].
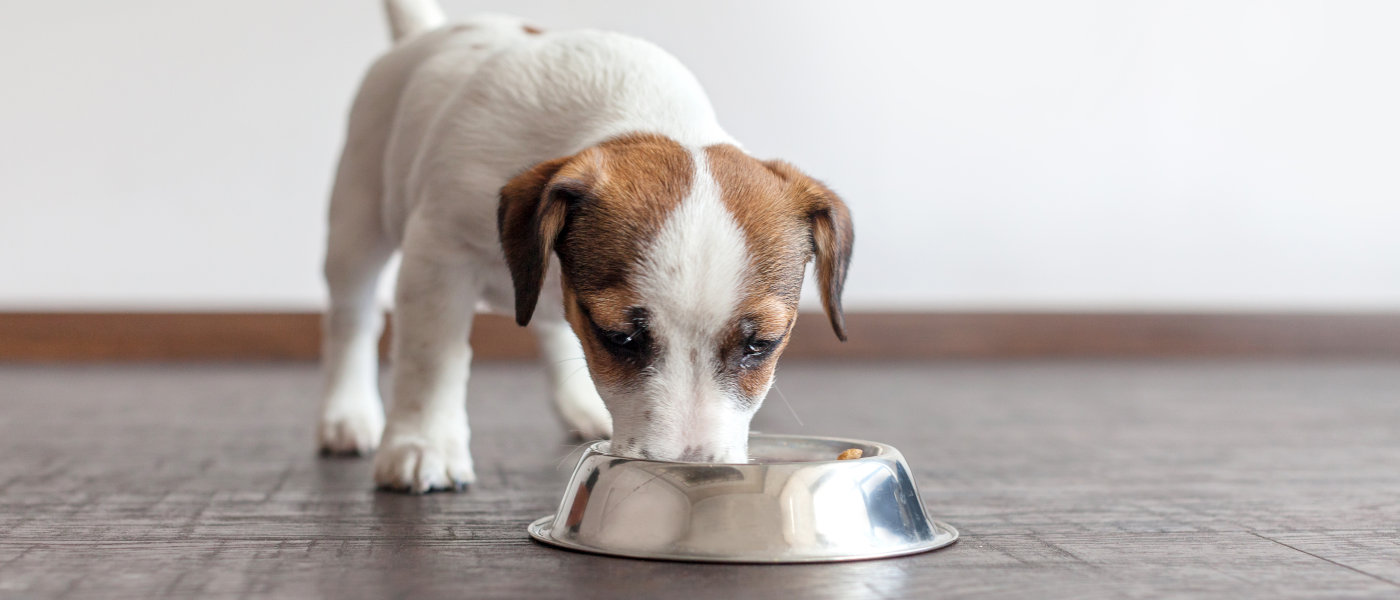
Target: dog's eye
[618,338]
[635,347]
[757,347]
[756,352]
[625,345]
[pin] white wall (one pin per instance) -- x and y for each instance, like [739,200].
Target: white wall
[1012,155]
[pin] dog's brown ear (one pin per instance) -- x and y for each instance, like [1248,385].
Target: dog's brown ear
[533,211]
[833,237]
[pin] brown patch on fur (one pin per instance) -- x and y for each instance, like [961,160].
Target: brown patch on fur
[598,211]
[770,316]
[753,382]
[769,213]
[606,371]
[639,180]
[833,237]
[613,198]
[532,30]
[611,308]
[788,218]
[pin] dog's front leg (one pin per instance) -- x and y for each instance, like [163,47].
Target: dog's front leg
[575,397]
[425,440]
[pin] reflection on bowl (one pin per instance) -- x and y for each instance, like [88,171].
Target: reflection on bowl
[792,503]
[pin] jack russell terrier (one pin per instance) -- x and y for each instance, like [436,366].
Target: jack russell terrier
[483,150]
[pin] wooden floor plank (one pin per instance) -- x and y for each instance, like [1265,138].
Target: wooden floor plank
[1072,479]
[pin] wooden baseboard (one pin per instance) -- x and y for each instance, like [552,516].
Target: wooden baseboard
[65,337]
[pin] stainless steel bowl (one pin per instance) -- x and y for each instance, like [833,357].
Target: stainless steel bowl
[792,503]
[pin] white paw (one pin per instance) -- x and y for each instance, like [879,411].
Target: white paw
[415,464]
[350,430]
[583,411]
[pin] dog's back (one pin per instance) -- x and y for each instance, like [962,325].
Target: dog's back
[465,106]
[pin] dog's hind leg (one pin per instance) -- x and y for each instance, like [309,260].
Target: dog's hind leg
[352,416]
[575,396]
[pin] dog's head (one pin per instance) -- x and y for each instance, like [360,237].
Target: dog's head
[681,270]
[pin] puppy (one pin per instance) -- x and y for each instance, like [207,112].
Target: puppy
[483,150]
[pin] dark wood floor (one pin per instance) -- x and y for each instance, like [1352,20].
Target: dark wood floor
[1067,479]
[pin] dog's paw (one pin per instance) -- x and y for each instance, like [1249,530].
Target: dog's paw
[583,411]
[350,431]
[416,465]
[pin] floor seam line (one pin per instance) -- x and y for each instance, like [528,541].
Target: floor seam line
[1325,559]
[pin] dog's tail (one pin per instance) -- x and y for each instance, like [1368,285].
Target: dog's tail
[408,18]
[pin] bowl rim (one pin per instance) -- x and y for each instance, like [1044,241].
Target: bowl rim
[885,451]
[542,531]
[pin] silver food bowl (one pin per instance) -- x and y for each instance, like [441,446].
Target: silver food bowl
[793,502]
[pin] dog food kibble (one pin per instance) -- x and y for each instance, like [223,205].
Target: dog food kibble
[853,453]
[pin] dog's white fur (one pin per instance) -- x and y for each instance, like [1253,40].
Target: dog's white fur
[441,123]
[691,279]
